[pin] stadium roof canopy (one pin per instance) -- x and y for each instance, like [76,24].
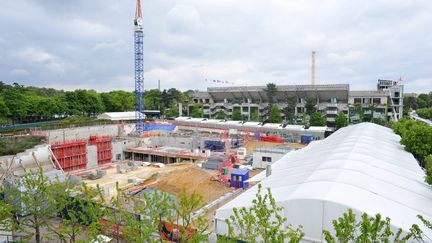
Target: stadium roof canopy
[321,91]
[362,167]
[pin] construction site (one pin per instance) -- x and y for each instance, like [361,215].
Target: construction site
[167,156]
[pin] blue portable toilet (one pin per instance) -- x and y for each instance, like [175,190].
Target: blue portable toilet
[306,139]
[239,178]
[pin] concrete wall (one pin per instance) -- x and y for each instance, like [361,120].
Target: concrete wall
[85,132]
[119,146]
[178,142]
[91,156]
[259,163]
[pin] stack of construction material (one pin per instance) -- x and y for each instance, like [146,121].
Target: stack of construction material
[215,145]
[213,162]
[104,147]
[71,155]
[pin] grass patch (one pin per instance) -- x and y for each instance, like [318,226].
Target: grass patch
[11,146]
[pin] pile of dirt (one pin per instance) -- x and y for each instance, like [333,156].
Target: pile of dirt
[191,179]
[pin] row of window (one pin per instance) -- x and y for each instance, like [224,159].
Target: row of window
[376,101]
[301,100]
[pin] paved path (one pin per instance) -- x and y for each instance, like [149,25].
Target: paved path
[414,116]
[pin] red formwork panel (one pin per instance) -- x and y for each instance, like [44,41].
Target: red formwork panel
[104,148]
[71,155]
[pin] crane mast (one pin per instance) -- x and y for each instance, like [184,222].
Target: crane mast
[139,69]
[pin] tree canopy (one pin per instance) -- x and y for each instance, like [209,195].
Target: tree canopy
[27,104]
[236,114]
[310,105]
[274,114]
[341,120]
[317,119]
[271,91]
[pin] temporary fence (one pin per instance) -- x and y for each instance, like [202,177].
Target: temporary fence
[104,148]
[71,155]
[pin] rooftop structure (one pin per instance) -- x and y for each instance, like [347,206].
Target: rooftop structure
[362,167]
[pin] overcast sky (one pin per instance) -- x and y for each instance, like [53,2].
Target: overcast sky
[88,44]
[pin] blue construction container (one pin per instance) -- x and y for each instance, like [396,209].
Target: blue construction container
[306,139]
[218,146]
[239,178]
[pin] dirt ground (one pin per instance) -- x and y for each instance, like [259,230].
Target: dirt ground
[192,179]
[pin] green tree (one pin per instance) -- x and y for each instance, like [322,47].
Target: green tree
[341,120]
[4,110]
[379,121]
[156,208]
[358,110]
[16,103]
[274,114]
[221,115]
[290,109]
[153,100]
[46,107]
[94,103]
[317,119]
[368,229]
[402,126]
[188,204]
[80,211]
[428,167]
[410,102]
[255,116]
[271,91]
[424,100]
[262,222]
[32,196]
[118,101]
[197,111]
[418,140]
[173,110]
[236,115]
[310,105]
[425,113]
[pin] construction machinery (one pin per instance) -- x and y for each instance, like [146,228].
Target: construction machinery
[139,69]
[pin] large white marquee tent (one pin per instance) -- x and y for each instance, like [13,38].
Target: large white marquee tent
[362,167]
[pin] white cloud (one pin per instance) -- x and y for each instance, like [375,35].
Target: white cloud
[31,54]
[424,84]
[40,57]
[90,29]
[357,42]
[108,45]
[19,72]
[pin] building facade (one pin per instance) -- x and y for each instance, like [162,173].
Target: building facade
[331,99]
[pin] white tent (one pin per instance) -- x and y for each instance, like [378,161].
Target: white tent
[362,167]
[118,116]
